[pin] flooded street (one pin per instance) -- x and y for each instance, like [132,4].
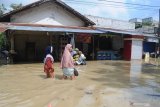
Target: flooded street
[100,84]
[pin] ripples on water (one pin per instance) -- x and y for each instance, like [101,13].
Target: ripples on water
[132,83]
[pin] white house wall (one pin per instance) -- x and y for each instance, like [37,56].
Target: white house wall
[47,13]
[111,23]
[136,52]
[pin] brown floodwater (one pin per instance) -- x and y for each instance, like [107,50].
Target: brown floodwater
[100,84]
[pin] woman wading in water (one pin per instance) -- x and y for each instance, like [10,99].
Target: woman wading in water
[67,63]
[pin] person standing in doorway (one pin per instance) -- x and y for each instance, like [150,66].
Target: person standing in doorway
[67,63]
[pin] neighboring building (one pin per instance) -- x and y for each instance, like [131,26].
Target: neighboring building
[149,29]
[111,23]
[138,22]
[123,36]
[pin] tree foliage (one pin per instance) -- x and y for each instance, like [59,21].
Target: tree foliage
[2,9]
[2,40]
[16,6]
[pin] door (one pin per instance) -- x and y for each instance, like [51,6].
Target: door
[30,51]
[127,50]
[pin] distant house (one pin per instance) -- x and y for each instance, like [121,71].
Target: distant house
[111,23]
[148,27]
[124,38]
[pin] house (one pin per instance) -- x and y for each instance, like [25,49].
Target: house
[33,27]
[149,28]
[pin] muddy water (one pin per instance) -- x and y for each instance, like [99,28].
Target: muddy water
[100,84]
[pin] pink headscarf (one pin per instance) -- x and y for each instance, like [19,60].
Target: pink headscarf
[67,60]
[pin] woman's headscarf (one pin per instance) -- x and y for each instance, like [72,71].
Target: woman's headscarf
[67,60]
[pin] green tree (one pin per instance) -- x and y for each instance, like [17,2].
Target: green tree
[2,40]
[2,9]
[16,6]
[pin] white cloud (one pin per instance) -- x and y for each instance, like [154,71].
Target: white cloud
[143,2]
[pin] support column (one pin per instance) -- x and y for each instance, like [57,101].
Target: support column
[93,54]
[137,49]
[12,51]
[72,42]
[12,44]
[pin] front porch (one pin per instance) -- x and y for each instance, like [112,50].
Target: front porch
[27,42]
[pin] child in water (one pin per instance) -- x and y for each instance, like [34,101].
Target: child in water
[48,63]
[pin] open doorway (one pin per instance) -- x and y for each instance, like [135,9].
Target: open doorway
[30,51]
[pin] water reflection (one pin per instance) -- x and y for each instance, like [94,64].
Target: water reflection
[135,71]
[143,78]
[128,84]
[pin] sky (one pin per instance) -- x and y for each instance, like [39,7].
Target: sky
[108,8]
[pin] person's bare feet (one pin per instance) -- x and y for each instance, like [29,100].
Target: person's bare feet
[72,77]
[64,77]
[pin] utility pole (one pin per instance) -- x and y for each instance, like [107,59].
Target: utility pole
[158,39]
[159,25]
[159,30]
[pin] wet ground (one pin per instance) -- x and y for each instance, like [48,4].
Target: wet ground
[100,84]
